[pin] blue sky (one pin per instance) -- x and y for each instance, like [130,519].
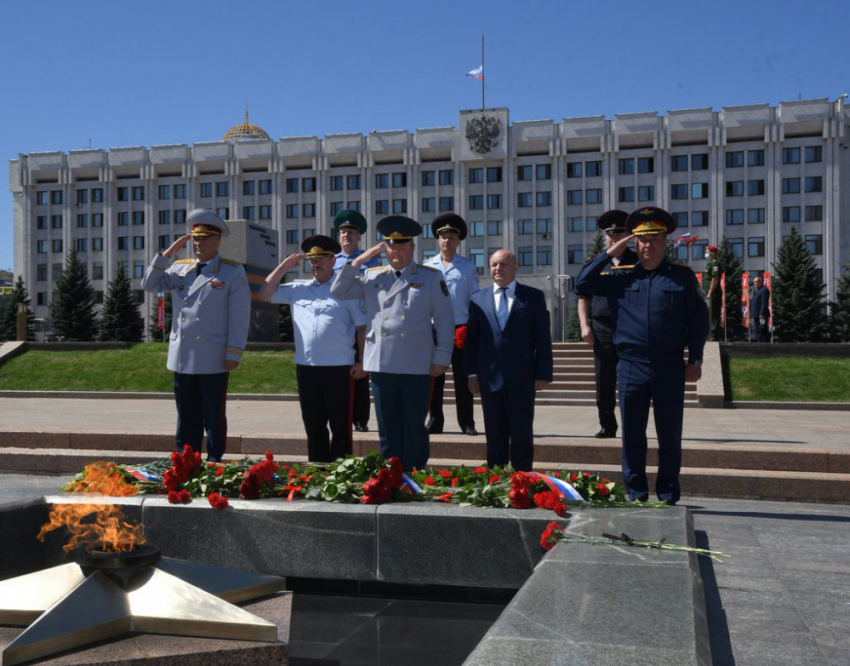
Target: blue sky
[118,73]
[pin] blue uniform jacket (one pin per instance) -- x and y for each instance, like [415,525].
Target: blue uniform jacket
[654,316]
[210,312]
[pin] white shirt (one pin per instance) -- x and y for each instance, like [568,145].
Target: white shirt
[511,293]
[461,279]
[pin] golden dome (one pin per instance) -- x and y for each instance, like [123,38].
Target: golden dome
[245,131]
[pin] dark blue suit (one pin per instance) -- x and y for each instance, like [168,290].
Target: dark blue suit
[759,309]
[656,314]
[507,364]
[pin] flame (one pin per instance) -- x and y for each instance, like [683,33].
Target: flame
[103,478]
[106,531]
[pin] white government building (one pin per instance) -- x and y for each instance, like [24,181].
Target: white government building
[749,172]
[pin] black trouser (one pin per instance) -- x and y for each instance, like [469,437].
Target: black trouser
[762,331]
[202,405]
[362,404]
[605,368]
[463,398]
[325,394]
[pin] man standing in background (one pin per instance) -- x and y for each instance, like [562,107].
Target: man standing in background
[760,310]
[714,295]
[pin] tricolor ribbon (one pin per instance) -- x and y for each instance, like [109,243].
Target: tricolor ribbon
[558,486]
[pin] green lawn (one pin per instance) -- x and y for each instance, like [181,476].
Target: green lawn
[792,378]
[139,368]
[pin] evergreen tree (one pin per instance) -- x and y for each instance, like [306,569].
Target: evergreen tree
[120,320]
[731,266]
[9,314]
[599,245]
[573,332]
[72,308]
[840,308]
[155,333]
[798,299]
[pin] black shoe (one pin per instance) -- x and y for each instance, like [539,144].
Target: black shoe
[606,434]
[434,427]
[469,430]
[361,427]
[670,502]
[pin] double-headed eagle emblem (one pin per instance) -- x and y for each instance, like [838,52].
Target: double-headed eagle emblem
[483,133]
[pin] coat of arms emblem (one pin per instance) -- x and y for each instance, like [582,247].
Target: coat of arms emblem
[483,133]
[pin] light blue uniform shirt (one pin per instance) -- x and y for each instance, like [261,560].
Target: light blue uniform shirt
[324,326]
[342,259]
[462,280]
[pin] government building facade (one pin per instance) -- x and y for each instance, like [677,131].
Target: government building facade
[747,172]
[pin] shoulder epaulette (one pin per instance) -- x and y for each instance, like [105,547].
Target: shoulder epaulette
[230,261]
[621,267]
[431,268]
[375,268]
[185,261]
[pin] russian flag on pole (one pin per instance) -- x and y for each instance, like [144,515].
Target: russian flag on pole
[476,73]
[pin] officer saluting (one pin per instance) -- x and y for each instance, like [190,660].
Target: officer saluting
[211,306]
[401,353]
[657,311]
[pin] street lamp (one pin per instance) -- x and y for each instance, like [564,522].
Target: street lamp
[565,281]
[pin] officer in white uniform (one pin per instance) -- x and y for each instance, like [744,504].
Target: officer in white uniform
[402,352]
[211,307]
[461,278]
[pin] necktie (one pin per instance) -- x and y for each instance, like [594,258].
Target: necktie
[502,312]
[198,268]
[397,275]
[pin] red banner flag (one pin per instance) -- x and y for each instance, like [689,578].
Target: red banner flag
[723,300]
[699,280]
[160,312]
[769,299]
[745,299]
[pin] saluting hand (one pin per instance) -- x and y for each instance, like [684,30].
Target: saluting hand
[292,261]
[620,246]
[177,245]
[368,254]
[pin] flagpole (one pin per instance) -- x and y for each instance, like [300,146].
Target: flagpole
[482,73]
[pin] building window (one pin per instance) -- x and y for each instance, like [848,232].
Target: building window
[494,201]
[525,200]
[222,189]
[164,192]
[138,218]
[790,156]
[814,213]
[56,196]
[57,272]
[292,186]
[447,177]
[266,186]
[476,202]
[353,205]
[525,227]
[308,210]
[427,231]
[180,191]
[544,225]
[206,190]
[97,219]
[699,191]
[626,166]
[646,193]
[248,213]
[755,216]
[699,218]
[399,206]
[755,158]
[292,211]
[138,193]
[735,159]
[494,227]
[790,186]
[755,187]
[82,196]
[590,222]
[494,174]
[447,204]
[336,206]
[814,153]
[735,216]
[428,254]
[42,273]
[791,214]
[82,221]
[97,195]
[308,184]
[646,165]
[755,246]
[429,178]
[41,247]
[679,191]
[353,182]
[575,254]
[291,236]
[382,207]
[41,198]
[543,172]
[337,183]
[265,212]
[123,242]
[737,245]
[55,221]
[476,228]
[164,217]
[699,248]
[574,170]
[525,256]
[123,193]
[400,179]
[139,272]
[544,256]
[593,169]
[814,184]
[814,243]
[249,188]
[681,219]
[679,163]
[734,188]
[382,180]
[180,216]
[543,199]
[477,256]
[699,162]
[138,242]
[593,196]
[41,222]
[97,244]
[575,224]
[163,242]
[475,176]
[97,270]
[626,194]
[525,172]
[429,204]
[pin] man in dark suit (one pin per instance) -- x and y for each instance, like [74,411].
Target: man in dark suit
[760,310]
[508,357]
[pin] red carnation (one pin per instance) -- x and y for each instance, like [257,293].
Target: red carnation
[398,470]
[219,470]
[602,489]
[573,478]
[480,470]
[460,336]
[454,482]
[429,481]
[494,478]
[446,473]
[520,499]
[445,497]
[550,535]
[218,502]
